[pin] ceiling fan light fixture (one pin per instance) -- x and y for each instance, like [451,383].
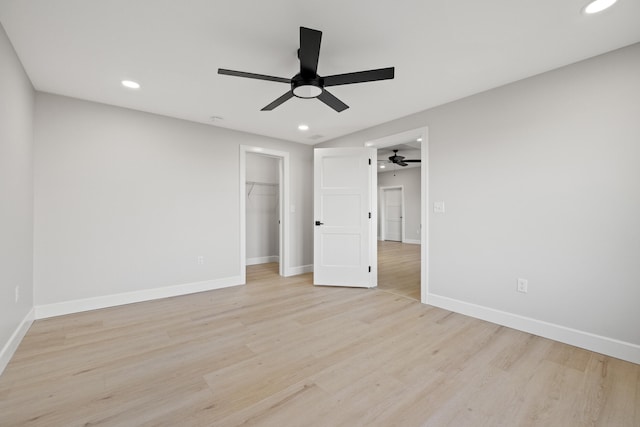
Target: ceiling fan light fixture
[598,6]
[307,91]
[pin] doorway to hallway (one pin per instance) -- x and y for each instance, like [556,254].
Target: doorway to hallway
[412,146]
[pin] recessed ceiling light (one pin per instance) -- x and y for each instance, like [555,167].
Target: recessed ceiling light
[131,84]
[382,166]
[598,6]
[419,139]
[303,127]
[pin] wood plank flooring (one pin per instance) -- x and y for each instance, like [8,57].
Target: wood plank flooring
[281,352]
[399,268]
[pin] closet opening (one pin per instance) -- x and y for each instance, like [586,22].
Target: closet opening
[262,202]
[264,193]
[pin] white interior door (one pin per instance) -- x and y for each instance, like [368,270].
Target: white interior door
[343,229]
[393,214]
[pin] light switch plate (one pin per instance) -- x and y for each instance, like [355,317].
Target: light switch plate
[523,285]
[438,207]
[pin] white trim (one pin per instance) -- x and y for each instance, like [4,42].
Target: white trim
[373,223]
[394,139]
[285,207]
[411,241]
[263,260]
[294,271]
[86,304]
[600,344]
[243,215]
[424,214]
[16,338]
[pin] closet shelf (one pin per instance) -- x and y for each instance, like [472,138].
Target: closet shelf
[254,183]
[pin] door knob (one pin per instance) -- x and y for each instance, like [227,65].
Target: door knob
[319,223]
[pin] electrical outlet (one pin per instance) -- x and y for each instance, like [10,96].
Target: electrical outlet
[438,207]
[200,260]
[17,293]
[523,285]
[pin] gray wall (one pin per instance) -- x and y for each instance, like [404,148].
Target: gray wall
[410,180]
[16,191]
[262,168]
[127,201]
[541,181]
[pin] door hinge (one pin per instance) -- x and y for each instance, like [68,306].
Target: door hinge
[369,162]
[369,215]
[369,269]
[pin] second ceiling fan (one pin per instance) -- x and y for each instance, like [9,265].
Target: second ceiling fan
[307,83]
[401,160]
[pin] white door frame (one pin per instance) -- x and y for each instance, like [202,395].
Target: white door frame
[383,214]
[399,138]
[284,204]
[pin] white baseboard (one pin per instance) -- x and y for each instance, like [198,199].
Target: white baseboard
[411,241]
[600,344]
[294,271]
[263,260]
[79,305]
[14,341]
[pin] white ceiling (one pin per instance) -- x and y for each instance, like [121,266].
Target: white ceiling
[442,51]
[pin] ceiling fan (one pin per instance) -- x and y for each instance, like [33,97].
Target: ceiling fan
[400,160]
[307,83]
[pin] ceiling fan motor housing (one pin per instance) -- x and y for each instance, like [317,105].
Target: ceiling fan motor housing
[306,87]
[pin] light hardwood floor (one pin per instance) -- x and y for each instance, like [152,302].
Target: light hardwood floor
[280,352]
[399,268]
